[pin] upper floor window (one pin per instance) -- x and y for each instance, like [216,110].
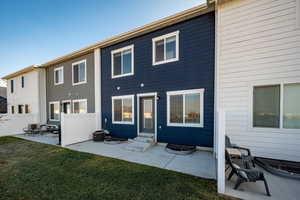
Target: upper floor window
[122,62]
[276,106]
[58,75]
[23,81]
[122,109]
[11,86]
[185,108]
[12,109]
[80,106]
[165,48]
[79,72]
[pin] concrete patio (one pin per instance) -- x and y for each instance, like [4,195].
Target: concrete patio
[280,188]
[45,138]
[200,163]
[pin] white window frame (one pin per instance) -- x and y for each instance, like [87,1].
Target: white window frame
[85,77]
[23,110]
[264,129]
[297,13]
[50,103]
[164,37]
[130,47]
[132,109]
[78,101]
[66,101]
[184,92]
[62,71]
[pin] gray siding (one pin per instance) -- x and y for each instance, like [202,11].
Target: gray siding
[67,91]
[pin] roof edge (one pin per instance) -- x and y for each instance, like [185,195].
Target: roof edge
[22,71]
[164,22]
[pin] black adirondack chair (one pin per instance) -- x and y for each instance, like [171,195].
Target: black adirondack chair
[247,158]
[245,175]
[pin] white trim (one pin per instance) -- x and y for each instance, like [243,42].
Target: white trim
[154,94]
[121,50]
[97,60]
[164,37]
[78,101]
[298,13]
[50,103]
[66,101]
[132,109]
[62,71]
[184,92]
[264,129]
[85,77]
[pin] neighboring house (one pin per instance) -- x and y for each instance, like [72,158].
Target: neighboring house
[70,87]
[3,92]
[26,91]
[161,84]
[3,100]
[259,75]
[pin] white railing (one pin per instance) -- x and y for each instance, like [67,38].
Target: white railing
[14,124]
[77,128]
[221,151]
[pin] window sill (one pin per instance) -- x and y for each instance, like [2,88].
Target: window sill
[165,61]
[79,83]
[126,123]
[186,125]
[275,130]
[58,83]
[54,120]
[122,75]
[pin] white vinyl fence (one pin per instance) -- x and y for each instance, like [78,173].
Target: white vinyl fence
[14,124]
[77,128]
[221,151]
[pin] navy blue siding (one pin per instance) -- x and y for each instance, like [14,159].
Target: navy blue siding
[195,69]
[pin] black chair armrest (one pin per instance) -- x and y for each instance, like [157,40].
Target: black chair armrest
[243,149]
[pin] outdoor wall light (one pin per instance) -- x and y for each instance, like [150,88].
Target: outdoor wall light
[118,88]
[142,85]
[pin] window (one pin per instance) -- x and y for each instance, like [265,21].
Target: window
[291,108]
[54,111]
[27,109]
[122,62]
[59,76]
[66,107]
[12,110]
[20,109]
[80,106]
[165,48]
[22,82]
[266,106]
[185,108]
[276,106]
[11,86]
[122,109]
[79,72]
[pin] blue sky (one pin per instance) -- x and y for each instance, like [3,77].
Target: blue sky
[36,31]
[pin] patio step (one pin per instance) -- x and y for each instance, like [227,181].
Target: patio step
[141,143]
[144,139]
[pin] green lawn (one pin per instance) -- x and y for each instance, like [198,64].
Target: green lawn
[30,170]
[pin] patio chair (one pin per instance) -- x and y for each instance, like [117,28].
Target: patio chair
[245,153]
[32,129]
[43,129]
[245,175]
